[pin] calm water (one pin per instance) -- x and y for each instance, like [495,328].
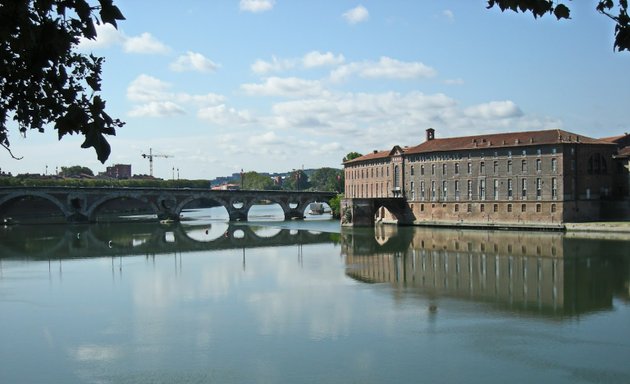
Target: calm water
[300,302]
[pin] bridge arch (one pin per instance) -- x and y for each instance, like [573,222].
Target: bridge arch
[63,209]
[92,210]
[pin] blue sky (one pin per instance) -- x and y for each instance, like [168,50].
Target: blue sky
[264,85]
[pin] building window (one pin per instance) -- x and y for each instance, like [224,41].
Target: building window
[553,208]
[495,208]
[443,169]
[444,189]
[496,189]
[482,207]
[469,208]
[554,165]
[432,169]
[457,190]
[524,188]
[422,190]
[422,170]
[482,189]
[523,207]
[524,153]
[539,152]
[538,165]
[421,207]
[554,188]
[524,166]
[509,153]
[456,207]
[554,150]
[510,189]
[457,168]
[496,167]
[482,168]
[413,191]
[538,188]
[432,190]
[509,166]
[469,189]
[469,168]
[411,171]
[538,208]
[509,207]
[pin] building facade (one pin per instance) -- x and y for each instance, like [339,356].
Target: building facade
[524,178]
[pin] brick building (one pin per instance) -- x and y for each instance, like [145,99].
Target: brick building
[119,171]
[530,178]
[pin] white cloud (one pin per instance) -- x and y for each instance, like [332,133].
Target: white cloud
[262,67]
[157,109]
[222,115]
[193,61]
[454,81]
[494,110]
[318,59]
[106,36]
[385,68]
[146,88]
[256,5]
[356,15]
[448,14]
[154,98]
[288,87]
[145,43]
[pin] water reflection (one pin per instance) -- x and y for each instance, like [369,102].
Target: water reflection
[542,273]
[128,239]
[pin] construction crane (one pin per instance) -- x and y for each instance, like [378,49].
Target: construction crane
[150,156]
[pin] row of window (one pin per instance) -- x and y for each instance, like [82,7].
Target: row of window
[495,154]
[443,192]
[495,208]
[482,167]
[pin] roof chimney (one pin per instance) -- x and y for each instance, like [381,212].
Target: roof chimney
[375,151]
[430,134]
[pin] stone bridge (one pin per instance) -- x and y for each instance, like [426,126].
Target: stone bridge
[81,204]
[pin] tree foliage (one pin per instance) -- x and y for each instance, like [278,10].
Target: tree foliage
[327,179]
[75,171]
[351,156]
[297,181]
[43,80]
[616,11]
[256,181]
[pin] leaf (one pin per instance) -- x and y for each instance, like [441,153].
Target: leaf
[561,12]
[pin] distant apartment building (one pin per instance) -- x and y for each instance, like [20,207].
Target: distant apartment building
[119,171]
[550,176]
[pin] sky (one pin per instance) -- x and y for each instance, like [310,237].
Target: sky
[274,85]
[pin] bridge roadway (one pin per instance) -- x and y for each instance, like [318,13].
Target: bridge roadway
[51,242]
[81,204]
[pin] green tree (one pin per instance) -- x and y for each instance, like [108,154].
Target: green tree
[254,180]
[327,179]
[75,170]
[351,156]
[43,80]
[617,12]
[297,181]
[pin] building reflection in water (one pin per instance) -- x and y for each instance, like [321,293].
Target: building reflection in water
[545,273]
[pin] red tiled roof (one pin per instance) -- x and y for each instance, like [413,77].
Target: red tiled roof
[502,140]
[375,155]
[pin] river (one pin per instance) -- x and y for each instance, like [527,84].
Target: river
[270,301]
